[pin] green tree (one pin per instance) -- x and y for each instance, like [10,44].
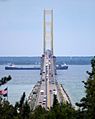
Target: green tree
[5,80]
[55,101]
[87,103]
[25,111]
[22,108]
[7,110]
[61,111]
[39,113]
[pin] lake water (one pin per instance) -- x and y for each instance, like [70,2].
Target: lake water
[24,80]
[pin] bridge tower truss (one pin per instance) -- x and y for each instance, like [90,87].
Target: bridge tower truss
[48,31]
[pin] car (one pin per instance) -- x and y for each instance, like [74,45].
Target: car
[50,91]
[44,103]
[42,92]
[45,96]
[43,80]
[44,100]
[34,92]
[46,64]
[55,92]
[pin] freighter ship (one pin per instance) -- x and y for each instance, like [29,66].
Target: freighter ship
[34,67]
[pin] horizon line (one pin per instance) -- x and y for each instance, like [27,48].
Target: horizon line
[54,55]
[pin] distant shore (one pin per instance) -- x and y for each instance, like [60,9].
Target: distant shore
[36,60]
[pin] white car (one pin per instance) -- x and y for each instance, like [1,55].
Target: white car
[42,92]
[55,92]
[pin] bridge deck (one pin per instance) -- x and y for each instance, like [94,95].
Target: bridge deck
[49,85]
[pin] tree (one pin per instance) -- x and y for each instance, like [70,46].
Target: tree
[25,111]
[22,100]
[55,101]
[7,110]
[5,80]
[61,111]
[87,103]
[39,113]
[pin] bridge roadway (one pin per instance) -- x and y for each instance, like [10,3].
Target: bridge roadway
[48,84]
[48,87]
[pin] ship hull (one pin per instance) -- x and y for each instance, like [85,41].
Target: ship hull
[62,68]
[21,68]
[33,68]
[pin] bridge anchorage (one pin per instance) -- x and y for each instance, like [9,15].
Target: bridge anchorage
[43,92]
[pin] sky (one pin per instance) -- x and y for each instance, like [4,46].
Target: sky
[21,27]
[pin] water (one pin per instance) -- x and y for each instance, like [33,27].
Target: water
[72,79]
[24,80]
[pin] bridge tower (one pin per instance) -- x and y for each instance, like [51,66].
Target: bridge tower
[48,31]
